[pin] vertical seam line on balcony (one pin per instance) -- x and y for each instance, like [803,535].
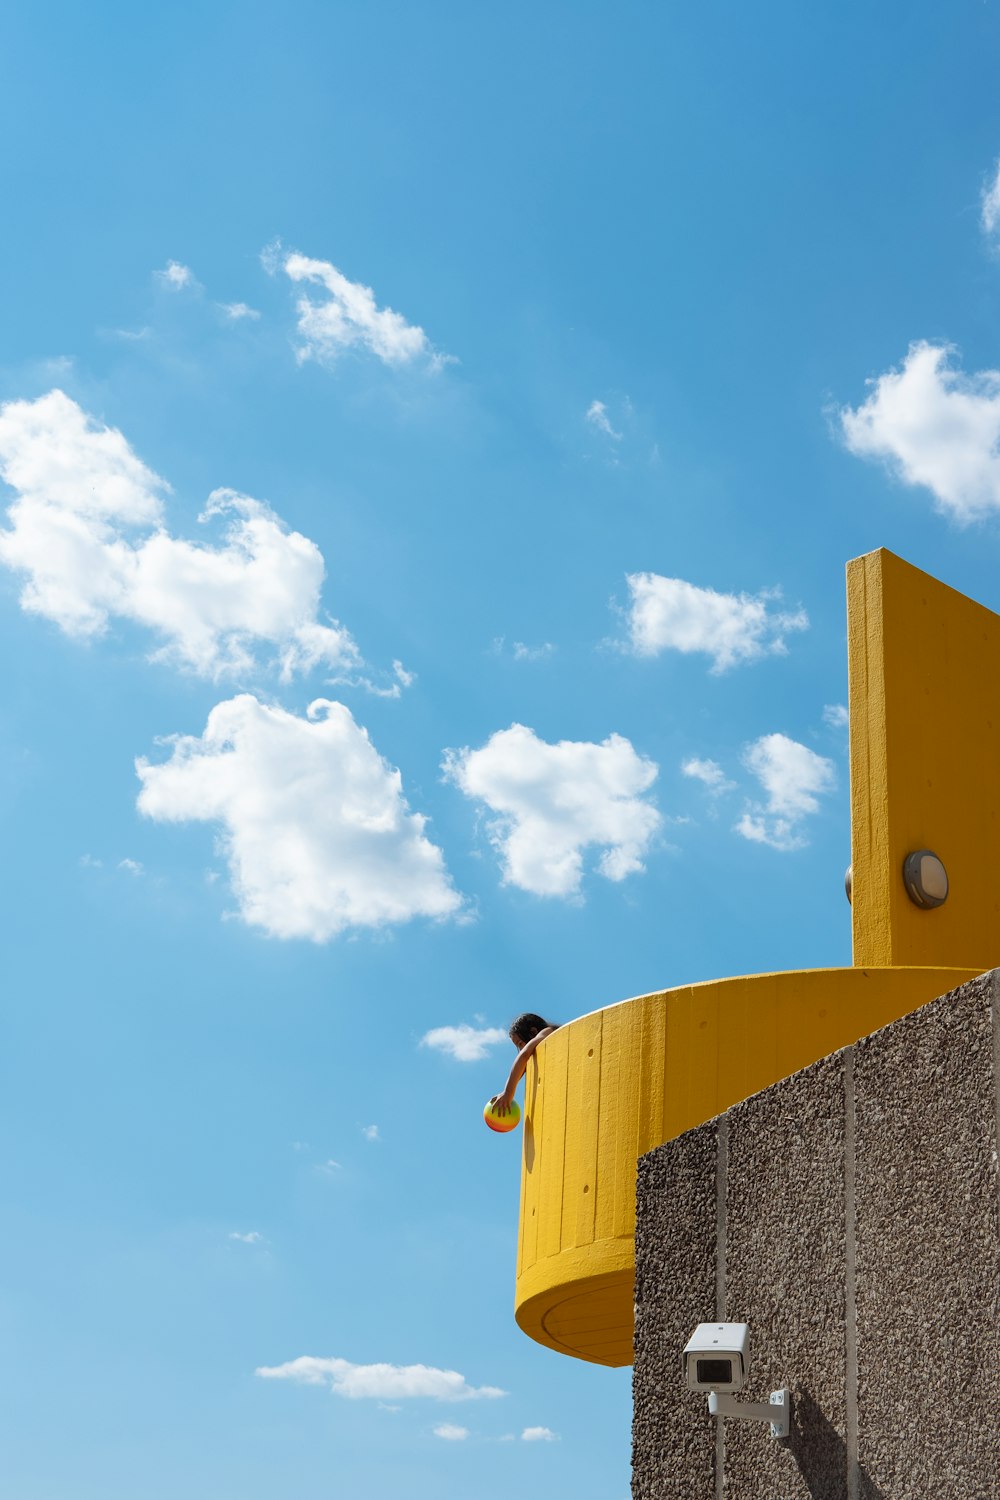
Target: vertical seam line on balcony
[596,1187]
[850,1278]
[562,1186]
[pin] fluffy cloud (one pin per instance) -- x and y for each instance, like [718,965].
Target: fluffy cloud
[370,1132]
[252,1237]
[554,801]
[349,317]
[380,1382]
[539,1435]
[175,276]
[314,825]
[669,614]
[597,416]
[464,1043]
[86,529]
[935,427]
[709,773]
[451,1433]
[835,715]
[793,777]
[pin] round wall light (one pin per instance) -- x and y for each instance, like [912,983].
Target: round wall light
[849,883]
[925,878]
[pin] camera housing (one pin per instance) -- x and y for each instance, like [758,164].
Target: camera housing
[717,1357]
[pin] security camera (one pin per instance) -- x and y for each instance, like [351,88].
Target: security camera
[717,1357]
[717,1361]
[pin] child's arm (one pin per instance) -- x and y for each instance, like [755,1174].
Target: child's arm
[502,1101]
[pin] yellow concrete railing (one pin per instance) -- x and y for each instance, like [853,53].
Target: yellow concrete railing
[612,1085]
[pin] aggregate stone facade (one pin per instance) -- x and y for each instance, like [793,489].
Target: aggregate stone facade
[851,1215]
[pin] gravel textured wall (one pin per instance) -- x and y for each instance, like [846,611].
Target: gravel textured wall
[672,1453]
[850,1215]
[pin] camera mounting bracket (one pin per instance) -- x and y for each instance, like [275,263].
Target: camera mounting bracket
[777,1411]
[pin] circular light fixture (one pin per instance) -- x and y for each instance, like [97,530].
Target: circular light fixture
[849,883]
[925,878]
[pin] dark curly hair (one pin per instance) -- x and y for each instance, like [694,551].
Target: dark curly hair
[527,1027]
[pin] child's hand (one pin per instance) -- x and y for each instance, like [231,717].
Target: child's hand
[501,1103]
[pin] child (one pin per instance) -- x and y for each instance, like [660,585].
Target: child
[526,1033]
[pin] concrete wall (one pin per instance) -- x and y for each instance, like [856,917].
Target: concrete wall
[851,1215]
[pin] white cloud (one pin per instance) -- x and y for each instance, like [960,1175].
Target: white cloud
[130,866]
[394,689]
[597,416]
[175,276]
[349,317]
[794,777]
[532,653]
[237,311]
[380,1382]
[271,256]
[89,862]
[463,1042]
[252,1237]
[709,773]
[990,203]
[539,1435]
[314,824]
[370,1132]
[81,499]
[554,801]
[451,1433]
[836,715]
[328,1168]
[670,614]
[935,427]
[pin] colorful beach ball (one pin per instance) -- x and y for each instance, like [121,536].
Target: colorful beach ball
[502,1123]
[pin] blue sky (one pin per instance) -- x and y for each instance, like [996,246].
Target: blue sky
[534,371]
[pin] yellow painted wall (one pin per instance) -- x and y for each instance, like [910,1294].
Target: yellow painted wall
[924,681]
[612,1085]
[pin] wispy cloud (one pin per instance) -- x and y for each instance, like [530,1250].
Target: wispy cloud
[463,1042]
[236,312]
[175,277]
[793,778]
[990,203]
[83,500]
[709,773]
[532,653]
[936,428]
[451,1433]
[835,715]
[539,1435]
[252,1237]
[370,1132]
[313,823]
[554,801]
[380,1382]
[669,614]
[348,317]
[131,866]
[597,416]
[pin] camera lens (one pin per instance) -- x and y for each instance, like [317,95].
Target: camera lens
[715,1372]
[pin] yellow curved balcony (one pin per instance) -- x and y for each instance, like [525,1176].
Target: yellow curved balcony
[610,1086]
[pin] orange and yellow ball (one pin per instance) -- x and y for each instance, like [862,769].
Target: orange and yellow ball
[502,1123]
